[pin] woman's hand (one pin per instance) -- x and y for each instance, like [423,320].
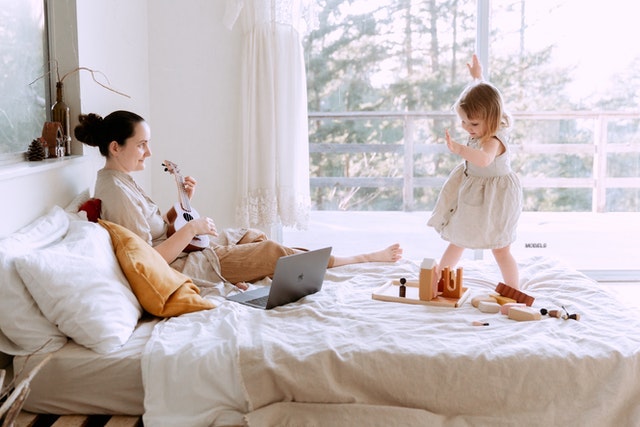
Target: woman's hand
[204,225]
[242,286]
[175,244]
[190,186]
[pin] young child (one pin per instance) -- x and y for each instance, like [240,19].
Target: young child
[480,203]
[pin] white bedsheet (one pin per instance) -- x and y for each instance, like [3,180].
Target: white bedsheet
[80,381]
[342,349]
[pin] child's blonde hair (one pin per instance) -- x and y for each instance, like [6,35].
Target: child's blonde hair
[483,101]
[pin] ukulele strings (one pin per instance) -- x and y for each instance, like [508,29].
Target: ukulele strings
[182,193]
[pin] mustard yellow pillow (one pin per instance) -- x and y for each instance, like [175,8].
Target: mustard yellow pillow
[160,289]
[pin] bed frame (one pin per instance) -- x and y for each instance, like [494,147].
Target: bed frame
[26,419]
[12,413]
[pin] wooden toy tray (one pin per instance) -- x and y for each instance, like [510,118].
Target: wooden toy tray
[390,292]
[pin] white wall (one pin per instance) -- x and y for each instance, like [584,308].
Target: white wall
[113,39]
[29,190]
[194,63]
[180,66]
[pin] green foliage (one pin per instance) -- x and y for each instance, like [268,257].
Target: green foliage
[409,56]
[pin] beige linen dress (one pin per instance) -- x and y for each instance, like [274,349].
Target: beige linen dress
[236,255]
[479,207]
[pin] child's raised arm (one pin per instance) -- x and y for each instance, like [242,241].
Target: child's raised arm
[475,68]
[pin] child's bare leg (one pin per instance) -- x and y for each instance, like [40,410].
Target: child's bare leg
[450,258]
[508,266]
[389,254]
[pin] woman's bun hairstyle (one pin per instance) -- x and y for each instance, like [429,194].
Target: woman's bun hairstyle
[89,130]
[99,132]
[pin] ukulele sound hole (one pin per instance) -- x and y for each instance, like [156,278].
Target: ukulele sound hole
[187,216]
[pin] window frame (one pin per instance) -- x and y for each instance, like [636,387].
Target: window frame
[62,45]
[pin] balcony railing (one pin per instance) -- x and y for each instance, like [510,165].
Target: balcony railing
[599,149]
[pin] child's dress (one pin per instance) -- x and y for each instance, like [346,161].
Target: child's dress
[479,207]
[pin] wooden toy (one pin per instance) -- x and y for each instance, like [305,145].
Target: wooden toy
[559,314]
[509,292]
[428,281]
[504,308]
[524,313]
[475,301]
[390,292]
[489,307]
[478,323]
[451,283]
[552,313]
[403,289]
[503,300]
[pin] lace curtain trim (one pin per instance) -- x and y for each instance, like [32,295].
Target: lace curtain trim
[261,208]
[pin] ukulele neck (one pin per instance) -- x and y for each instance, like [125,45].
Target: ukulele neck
[182,193]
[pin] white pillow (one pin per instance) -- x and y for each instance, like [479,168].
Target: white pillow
[79,286]
[77,201]
[21,321]
[74,205]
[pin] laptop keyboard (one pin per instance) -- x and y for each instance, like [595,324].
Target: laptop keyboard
[261,301]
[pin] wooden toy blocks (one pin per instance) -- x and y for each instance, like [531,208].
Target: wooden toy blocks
[428,281]
[513,293]
[451,283]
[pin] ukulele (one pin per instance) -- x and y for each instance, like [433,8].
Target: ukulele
[182,212]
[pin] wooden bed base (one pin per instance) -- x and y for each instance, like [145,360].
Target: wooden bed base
[10,416]
[27,419]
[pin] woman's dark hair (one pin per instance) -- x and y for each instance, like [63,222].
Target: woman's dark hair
[98,132]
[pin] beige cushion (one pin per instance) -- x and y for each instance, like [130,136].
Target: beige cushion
[160,289]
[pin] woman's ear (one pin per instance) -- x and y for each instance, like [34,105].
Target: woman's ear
[114,147]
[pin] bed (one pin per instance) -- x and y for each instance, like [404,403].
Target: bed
[337,357]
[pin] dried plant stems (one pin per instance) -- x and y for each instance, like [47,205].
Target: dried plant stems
[76,70]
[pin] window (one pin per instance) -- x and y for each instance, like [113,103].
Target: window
[382,77]
[23,53]
[588,146]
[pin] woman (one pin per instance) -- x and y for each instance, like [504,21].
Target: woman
[236,256]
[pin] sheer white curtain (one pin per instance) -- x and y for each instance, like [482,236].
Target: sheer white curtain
[274,172]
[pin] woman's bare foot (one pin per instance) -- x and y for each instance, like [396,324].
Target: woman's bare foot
[390,254]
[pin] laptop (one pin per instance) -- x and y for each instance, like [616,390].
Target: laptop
[295,276]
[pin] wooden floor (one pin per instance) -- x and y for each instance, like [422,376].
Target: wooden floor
[26,419]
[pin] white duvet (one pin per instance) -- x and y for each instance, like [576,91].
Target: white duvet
[341,358]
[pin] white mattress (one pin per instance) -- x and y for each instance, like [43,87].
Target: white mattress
[80,381]
[340,354]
